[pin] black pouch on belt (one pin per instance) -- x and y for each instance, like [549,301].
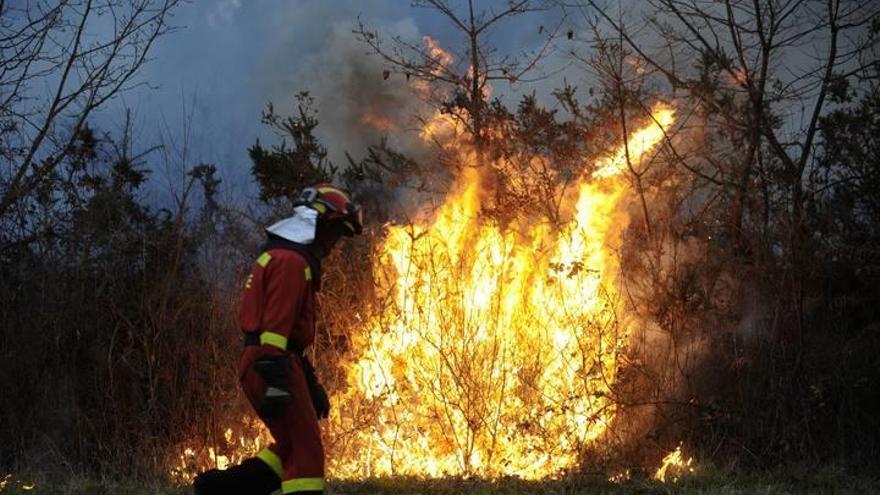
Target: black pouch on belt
[275,370]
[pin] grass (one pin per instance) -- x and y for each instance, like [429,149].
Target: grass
[784,482]
[790,481]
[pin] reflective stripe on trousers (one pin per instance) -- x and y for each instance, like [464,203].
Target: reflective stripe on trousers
[300,485]
[297,454]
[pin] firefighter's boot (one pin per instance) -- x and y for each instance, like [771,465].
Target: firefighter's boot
[252,476]
[211,482]
[257,477]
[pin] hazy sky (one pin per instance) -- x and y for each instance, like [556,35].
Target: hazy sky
[209,80]
[230,57]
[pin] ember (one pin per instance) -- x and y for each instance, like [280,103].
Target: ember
[674,466]
[241,440]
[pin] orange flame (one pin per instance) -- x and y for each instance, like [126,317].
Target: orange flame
[674,466]
[497,350]
[441,129]
[378,121]
[240,440]
[638,143]
[24,486]
[440,58]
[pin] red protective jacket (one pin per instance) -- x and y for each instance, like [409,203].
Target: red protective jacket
[279,297]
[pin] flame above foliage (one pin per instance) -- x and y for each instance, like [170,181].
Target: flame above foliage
[491,351]
[496,349]
[378,121]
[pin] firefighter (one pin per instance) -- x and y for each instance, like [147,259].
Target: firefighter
[278,320]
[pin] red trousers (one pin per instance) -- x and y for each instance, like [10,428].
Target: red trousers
[297,455]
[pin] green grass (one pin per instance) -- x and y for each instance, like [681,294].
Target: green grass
[787,482]
[790,481]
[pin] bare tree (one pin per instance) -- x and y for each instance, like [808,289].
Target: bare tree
[758,76]
[747,65]
[735,215]
[60,61]
[464,77]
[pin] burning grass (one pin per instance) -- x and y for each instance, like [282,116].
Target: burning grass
[788,481]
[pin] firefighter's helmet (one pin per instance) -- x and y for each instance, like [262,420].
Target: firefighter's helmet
[333,203]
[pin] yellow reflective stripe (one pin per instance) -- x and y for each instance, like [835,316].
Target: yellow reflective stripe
[323,190]
[274,339]
[318,206]
[308,273]
[349,225]
[263,260]
[302,485]
[272,460]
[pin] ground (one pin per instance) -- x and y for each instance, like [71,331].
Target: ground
[792,481]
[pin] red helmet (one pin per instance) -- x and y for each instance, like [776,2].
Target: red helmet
[333,203]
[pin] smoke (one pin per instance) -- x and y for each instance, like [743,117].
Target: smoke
[358,103]
[682,309]
[212,77]
[223,11]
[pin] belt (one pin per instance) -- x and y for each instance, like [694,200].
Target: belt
[270,338]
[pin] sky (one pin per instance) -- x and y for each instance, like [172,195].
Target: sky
[210,79]
[203,91]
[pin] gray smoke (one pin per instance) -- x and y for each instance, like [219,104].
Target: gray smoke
[357,106]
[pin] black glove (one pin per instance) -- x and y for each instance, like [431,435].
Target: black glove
[316,391]
[275,370]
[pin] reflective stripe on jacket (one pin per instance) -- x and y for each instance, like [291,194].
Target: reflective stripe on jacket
[278,301]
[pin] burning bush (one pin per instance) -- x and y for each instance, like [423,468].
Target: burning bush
[490,350]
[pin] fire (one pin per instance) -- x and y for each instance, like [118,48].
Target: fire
[496,350]
[674,466]
[25,486]
[441,129]
[378,121]
[240,441]
[639,143]
[439,57]
[621,476]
